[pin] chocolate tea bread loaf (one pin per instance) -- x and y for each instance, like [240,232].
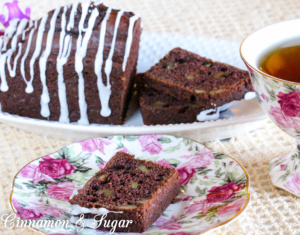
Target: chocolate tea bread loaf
[159,108]
[184,87]
[75,64]
[189,77]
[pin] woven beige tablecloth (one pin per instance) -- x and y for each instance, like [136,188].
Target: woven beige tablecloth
[271,211]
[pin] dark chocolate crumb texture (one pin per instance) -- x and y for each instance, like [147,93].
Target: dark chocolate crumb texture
[189,77]
[141,190]
[159,108]
[75,64]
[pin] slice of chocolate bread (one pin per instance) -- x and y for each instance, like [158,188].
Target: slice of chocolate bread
[189,77]
[128,189]
[159,108]
[75,64]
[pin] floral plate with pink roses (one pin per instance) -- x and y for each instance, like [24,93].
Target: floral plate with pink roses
[214,187]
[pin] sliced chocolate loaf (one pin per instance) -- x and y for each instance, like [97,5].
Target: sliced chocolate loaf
[127,189]
[159,108]
[189,77]
[76,64]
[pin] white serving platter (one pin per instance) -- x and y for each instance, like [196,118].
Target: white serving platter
[242,117]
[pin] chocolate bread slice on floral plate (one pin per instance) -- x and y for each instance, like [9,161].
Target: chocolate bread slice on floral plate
[213,187]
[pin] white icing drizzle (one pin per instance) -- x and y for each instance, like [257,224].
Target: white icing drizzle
[75,192]
[45,98]
[14,30]
[132,21]
[105,91]
[26,53]
[72,16]
[65,46]
[249,95]
[27,29]
[40,35]
[17,28]
[81,50]
[205,116]
[63,55]
[77,210]
[97,2]
[21,27]
[9,32]
[14,70]
[4,86]
[1,41]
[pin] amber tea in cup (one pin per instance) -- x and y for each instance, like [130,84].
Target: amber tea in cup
[283,61]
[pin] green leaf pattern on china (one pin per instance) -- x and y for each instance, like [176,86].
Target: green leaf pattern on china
[207,170]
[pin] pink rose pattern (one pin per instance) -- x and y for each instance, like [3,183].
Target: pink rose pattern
[282,101]
[201,206]
[95,144]
[293,184]
[150,143]
[28,171]
[282,167]
[55,168]
[48,170]
[30,214]
[287,115]
[216,196]
[202,159]
[290,103]
[283,120]
[232,208]
[187,198]
[188,169]
[26,213]
[223,193]
[52,210]
[284,173]
[54,172]
[37,210]
[61,191]
[186,174]
[280,118]
[169,224]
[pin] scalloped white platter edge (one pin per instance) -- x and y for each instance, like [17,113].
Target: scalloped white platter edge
[244,116]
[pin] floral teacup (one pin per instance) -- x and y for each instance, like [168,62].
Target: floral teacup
[280,99]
